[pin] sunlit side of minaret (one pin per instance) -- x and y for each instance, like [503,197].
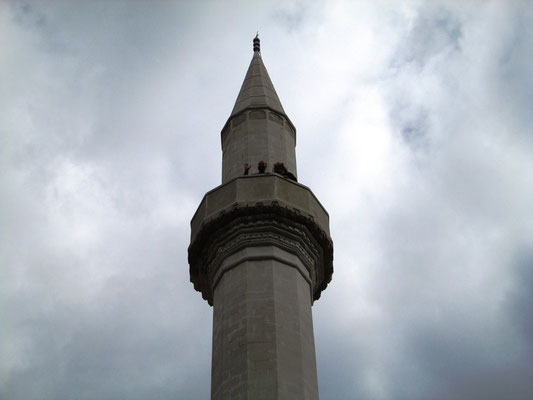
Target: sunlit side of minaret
[261,253]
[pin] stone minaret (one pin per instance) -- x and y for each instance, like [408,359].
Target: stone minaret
[261,253]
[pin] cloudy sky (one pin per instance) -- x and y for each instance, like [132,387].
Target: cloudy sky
[415,130]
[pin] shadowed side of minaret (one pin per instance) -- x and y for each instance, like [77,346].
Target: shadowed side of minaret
[261,253]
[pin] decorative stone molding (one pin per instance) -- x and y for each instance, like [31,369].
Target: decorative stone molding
[233,227]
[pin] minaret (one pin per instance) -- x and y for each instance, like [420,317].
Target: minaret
[261,253]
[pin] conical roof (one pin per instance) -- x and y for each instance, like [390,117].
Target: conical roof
[257,90]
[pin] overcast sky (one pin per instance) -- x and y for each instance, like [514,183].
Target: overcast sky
[415,130]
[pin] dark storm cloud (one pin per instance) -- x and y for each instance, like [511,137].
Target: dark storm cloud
[519,301]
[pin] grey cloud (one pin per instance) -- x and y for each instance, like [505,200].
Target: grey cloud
[518,300]
[131,337]
[437,326]
[434,30]
[290,15]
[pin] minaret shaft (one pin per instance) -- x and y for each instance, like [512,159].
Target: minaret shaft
[263,345]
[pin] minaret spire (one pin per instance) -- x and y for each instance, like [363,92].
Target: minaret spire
[257,90]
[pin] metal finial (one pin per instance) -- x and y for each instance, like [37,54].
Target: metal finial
[257,42]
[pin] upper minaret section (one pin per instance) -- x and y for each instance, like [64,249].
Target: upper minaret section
[258,128]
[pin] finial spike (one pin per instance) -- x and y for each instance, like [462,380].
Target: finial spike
[257,43]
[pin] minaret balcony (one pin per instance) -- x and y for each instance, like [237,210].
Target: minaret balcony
[260,212]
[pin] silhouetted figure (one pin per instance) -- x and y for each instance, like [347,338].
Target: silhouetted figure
[261,166]
[246,168]
[279,168]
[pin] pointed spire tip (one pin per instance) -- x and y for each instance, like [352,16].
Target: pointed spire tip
[257,43]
